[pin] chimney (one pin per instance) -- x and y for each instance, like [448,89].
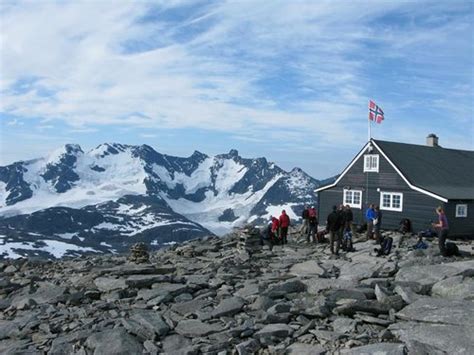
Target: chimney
[432,140]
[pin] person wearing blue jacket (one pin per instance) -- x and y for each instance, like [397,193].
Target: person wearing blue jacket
[369,218]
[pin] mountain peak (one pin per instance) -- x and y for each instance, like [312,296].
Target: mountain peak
[233,153]
[198,155]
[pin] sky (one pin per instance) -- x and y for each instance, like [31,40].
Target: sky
[286,80]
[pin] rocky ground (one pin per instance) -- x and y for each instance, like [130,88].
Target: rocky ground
[210,297]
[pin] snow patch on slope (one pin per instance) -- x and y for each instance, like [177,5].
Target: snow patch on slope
[55,248]
[207,212]
[123,175]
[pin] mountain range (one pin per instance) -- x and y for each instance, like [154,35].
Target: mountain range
[114,195]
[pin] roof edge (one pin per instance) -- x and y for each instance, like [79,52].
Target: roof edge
[410,185]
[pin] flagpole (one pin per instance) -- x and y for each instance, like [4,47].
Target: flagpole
[368,126]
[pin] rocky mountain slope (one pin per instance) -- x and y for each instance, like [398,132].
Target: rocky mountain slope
[102,200]
[209,297]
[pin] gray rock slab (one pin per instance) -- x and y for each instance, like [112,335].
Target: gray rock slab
[372,320]
[188,307]
[173,343]
[308,268]
[458,287]
[336,295]
[113,342]
[228,307]
[362,266]
[48,293]
[304,349]
[249,289]
[439,310]
[196,328]
[107,284]
[378,348]
[407,294]
[140,281]
[317,285]
[428,275]
[173,288]
[344,325]
[369,306]
[279,330]
[247,347]
[198,280]
[437,338]
[146,324]
[286,287]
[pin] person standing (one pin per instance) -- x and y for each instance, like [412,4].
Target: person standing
[443,230]
[333,226]
[349,219]
[377,224]
[305,217]
[369,218]
[275,229]
[312,225]
[284,224]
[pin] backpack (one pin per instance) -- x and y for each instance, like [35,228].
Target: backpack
[386,246]
[452,249]
[312,212]
[405,225]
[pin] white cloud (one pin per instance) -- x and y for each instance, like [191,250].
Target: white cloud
[208,70]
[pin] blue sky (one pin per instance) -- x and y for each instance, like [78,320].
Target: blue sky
[286,80]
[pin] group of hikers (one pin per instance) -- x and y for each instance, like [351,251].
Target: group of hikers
[340,227]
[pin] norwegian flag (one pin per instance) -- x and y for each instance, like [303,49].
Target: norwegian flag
[375,112]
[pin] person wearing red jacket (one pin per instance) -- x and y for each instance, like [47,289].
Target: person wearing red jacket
[284,224]
[275,227]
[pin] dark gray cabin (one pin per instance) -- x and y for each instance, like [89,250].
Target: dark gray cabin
[407,181]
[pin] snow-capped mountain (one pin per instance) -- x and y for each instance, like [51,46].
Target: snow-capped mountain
[114,195]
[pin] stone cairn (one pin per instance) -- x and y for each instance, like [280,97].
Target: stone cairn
[139,253]
[249,241]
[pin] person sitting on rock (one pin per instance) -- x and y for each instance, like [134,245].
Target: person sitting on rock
[267,237]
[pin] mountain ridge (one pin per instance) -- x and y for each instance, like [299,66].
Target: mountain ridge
[208,194]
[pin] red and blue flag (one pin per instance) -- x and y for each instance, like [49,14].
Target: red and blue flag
[375,112]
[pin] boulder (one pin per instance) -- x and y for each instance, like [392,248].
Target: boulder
[435,338]
[112,342]
[378,348]
[438,310]
[279,330]
[304,349]
[196,328]
[146,324]
[459,287]
[188,307]
[428,275]
[107,284]
[286,287]
[228,307]
[308,268]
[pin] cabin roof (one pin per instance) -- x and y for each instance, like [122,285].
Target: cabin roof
[443,173]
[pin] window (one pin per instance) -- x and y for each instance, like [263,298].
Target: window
[461,210]
[371,163]
[353,198]
[391,201]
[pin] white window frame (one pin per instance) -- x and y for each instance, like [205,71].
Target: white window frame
[391,208]
[351,203]
[371,163]
[461,215]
